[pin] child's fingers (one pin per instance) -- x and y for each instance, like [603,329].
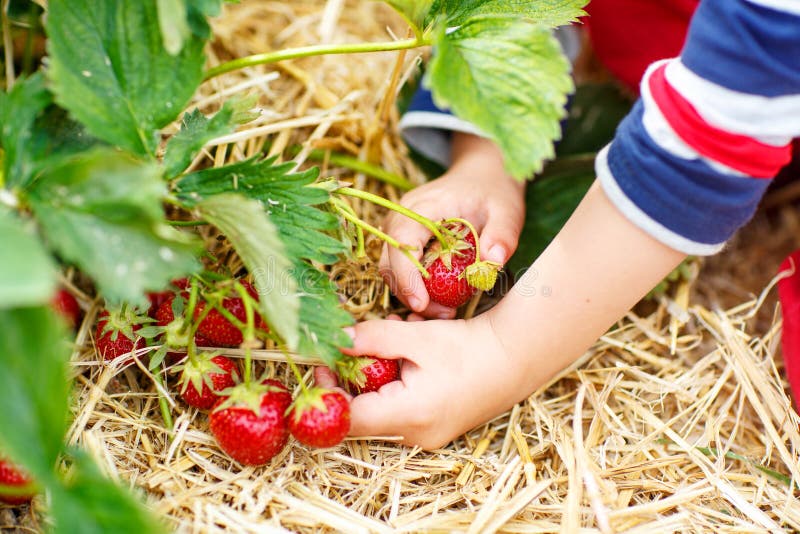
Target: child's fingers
[386,339]
[381,413]
[325,378]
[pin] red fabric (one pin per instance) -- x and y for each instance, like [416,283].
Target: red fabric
[628,35]
[789,295]
[739,152]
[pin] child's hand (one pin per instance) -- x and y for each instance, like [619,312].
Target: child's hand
[475,188]
[455,375]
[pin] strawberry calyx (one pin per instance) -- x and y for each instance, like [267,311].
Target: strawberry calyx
[352,369]
[124,320]
[454,243]
[309,399]
[197,371]
[482,274]
[246,395]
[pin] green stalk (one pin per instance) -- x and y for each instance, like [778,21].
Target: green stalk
[340,205]
[188,223]
[249,333]
[297,374]
[8,47]
[357,165]
[166,414]
[388,204]
[314,50]
[386,238]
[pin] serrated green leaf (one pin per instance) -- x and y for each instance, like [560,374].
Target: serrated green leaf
[322,317]
[550,13]
[89,503]
[109,67]
[27,275]
[510,79]
[18,112]
[414,11]
[285,195]
[197,130]
[251,232]
[102,211]
[34,388]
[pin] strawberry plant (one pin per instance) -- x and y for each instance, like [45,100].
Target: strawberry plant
[91,180]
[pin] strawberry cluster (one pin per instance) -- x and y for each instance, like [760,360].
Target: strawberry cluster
[251,420]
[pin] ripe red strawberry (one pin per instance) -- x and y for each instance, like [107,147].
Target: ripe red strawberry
[320,418]
[369,374]
[250,425]
[219,330]
[116,332]
[204,377]
[12,476]
[157,298]
[447,284]
[66,307]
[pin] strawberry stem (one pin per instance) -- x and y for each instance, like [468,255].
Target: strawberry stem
[386,238]
[474,234]
[315,50]
[345,209]
[249,332]
[297,374]
[388,204]
[166,414]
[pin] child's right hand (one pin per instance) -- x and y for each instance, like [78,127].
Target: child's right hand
[476,188]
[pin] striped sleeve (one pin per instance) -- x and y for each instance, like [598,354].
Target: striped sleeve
[692,160]
[427,128]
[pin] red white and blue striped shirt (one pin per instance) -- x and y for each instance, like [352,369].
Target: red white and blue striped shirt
[692,160]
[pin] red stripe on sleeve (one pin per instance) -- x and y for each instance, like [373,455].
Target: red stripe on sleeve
[739,152]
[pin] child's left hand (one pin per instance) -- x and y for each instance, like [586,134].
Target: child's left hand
[455,375]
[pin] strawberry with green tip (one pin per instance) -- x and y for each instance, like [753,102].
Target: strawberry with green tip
[447,284]
[250,424]
[116,334]
[365,374]
[320,418]
[14,479]
[204,377]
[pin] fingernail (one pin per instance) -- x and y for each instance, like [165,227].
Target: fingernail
[497,254]
[445,315]
[414,303]
[350,331]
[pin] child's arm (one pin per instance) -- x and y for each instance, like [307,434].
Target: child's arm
[477,188]
[458,374]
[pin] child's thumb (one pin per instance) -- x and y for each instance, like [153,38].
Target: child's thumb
[500,237]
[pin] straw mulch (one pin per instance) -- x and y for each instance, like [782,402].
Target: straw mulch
[632,438]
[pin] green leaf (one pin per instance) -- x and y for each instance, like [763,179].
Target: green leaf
[110,69]
[285,195]
[595,111]
[414,11]
[102,211]
[550,200]
[251,232]
[27,275]
[89,503]
[550,13]
[197,130]
[322,317]
[510,79]
[34,388]
[18,112]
